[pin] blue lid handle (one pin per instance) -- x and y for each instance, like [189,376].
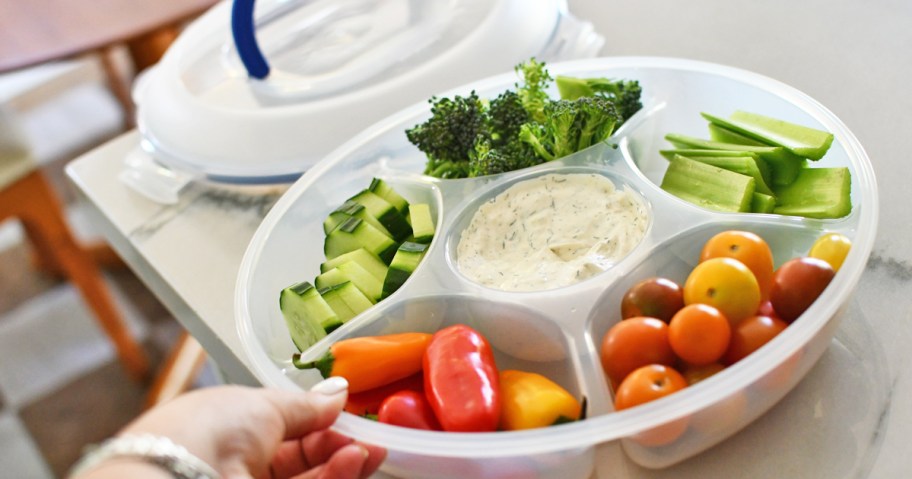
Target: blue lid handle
[244,33]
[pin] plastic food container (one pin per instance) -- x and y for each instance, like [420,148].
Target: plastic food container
[557,332]
[260,93]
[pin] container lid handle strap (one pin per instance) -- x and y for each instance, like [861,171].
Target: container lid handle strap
[244,33]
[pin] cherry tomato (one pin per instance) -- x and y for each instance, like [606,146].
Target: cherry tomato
[632,343]
[699,334]
[725,284]
[694,374]
[746,247]
[654,297]
[750,334]
[766,309]
[832,248]
[408,409]
[368,402]
[648,383]
[797,284]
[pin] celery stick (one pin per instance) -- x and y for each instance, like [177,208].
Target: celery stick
[708,186]
[800,140]
[761,203]
[783,164]
[817,193]
[745,165]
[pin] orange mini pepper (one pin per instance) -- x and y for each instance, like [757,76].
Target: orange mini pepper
[372,361]
[530,400]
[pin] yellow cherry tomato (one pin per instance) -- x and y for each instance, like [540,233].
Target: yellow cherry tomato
[832,248]
[727,285]
[746,247]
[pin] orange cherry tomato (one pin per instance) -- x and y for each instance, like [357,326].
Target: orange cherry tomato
[748,248]
[750,334]
[694,374]
[725,284]
[632,343]
[699,334]
[648,383]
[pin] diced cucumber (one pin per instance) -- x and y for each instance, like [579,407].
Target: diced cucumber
[346,296]
[333,298]
[422,223]
[708,186]
[347,210]
[783,164]
[329,279]
[353,234]
[369,261]
[385,191]
[354,272]
[817,193]
[800,140]
[385,212]
[403,265]
[305,313]
[745,165]
[761,203]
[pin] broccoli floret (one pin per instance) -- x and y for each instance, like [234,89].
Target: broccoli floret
[532,92]
[449,135]
[511,156]
[506,115]
[625,94]
[570,126]
[468,137]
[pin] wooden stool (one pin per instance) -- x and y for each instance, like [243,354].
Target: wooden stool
[31,200]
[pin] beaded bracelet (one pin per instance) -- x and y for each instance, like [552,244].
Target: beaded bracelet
[157,450]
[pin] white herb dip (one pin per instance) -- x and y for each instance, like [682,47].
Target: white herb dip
[550,231]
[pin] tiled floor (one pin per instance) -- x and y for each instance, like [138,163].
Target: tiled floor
[61,387]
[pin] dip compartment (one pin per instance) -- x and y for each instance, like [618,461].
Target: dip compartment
[557,332]
[601,161]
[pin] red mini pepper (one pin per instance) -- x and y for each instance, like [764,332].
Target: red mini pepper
[461,380]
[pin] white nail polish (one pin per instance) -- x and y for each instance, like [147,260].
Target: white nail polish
[330,386]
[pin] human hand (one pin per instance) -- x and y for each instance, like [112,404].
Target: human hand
[262,433]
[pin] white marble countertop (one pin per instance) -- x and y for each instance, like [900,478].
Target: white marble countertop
[848,418]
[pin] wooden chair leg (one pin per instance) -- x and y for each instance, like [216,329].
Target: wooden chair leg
[41,215]
[179,371]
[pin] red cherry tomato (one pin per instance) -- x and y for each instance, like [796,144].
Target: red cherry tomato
[750,334]
[408,409]
[653,297]
[633,343]
[797,284]
[368,402]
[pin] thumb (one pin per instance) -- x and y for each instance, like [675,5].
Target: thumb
[314,410]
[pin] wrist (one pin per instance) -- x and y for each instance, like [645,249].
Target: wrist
[145,451]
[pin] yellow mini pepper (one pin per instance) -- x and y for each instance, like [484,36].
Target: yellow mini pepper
[530,400]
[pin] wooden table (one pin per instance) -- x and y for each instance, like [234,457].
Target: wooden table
[39,31]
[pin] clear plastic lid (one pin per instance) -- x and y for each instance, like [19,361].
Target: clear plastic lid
[259,94]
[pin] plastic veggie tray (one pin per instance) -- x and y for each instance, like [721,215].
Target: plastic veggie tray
[557,332]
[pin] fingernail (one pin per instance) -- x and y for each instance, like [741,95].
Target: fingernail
[330,386]
[363,450]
